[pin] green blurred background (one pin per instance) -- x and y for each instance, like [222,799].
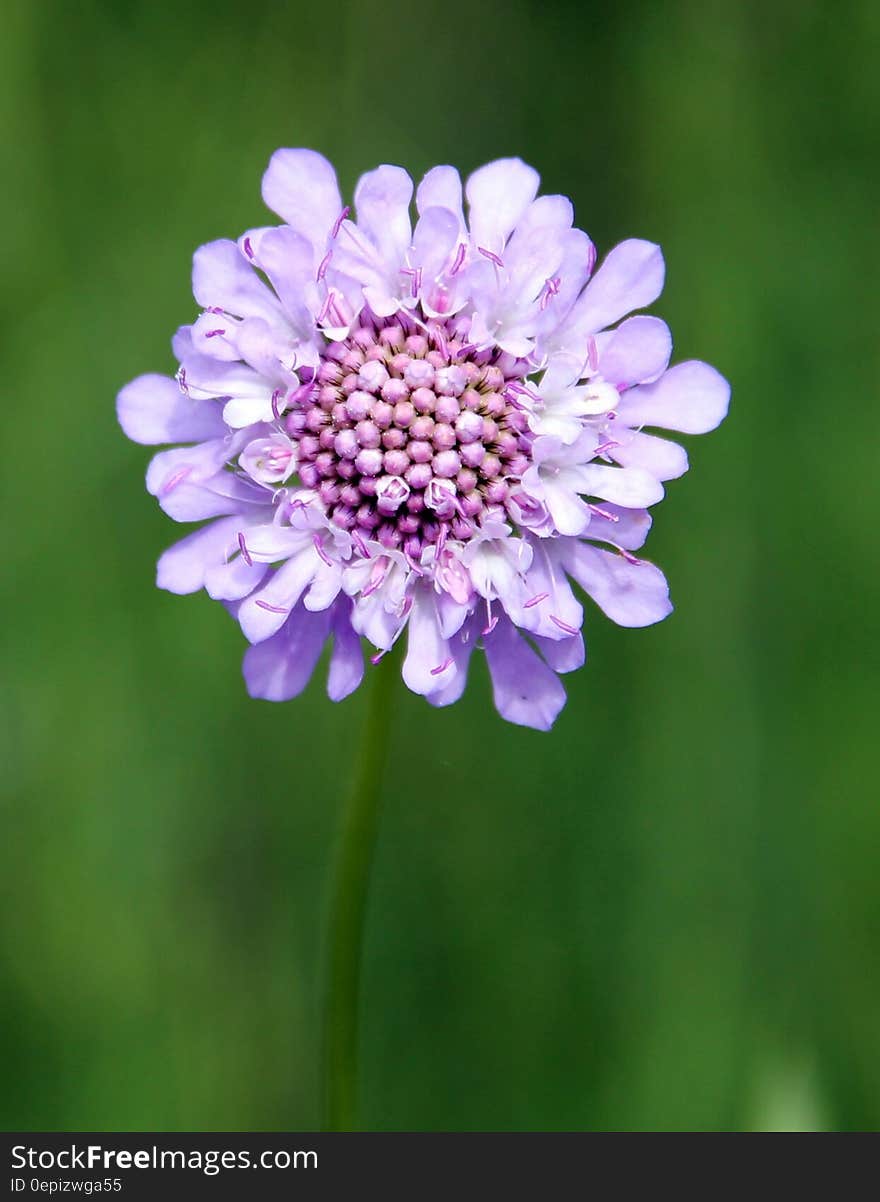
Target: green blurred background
[666,913]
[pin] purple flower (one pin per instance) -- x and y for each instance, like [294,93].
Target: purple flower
[433,428]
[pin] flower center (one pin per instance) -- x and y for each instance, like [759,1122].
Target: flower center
[410,431]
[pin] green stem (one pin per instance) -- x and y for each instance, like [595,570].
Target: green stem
[357,839]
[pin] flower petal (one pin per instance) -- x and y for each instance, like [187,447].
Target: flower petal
[426,649]
[223,278]
[453,678]
[692,397]
[271,542]
[190,483]
[441,188]
[153,410]
[382,198]
[637,352]
[325,587]
[663,459]
[205,378]
[265,611]
[627,528]
[233,580]
[629,486]
[630,593]
[630,278]
[288,260]
[193,502]
[562,655]
[498,195]
[435,238]
[346,659]
[525,690]
[300,185]
[569,513]
[377,623]
[576,263]
[558,612]
[281,667]
[183,567]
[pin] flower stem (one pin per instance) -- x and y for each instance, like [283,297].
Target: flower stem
[354,854]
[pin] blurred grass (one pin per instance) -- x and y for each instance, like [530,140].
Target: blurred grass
[666,913]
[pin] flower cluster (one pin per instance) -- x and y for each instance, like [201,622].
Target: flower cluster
[433,427]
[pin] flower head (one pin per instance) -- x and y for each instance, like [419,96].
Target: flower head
[433,428]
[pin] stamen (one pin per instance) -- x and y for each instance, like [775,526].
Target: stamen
[459,259]
[416,273]
[442,667]
[275,397]
[379,571]
[360,544]
[491,622]
[606,446]
[323,265]
[563,625]
[377,658]
[214,333]
[516,386]
[322,554]
[496,259]
[337,224]
[273,609]
[604,513]
[592,354]
[550,289]
[248,249]
[242,546]
[440,338]
[174,479]
[302,393]
[335,312]
[536,600]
